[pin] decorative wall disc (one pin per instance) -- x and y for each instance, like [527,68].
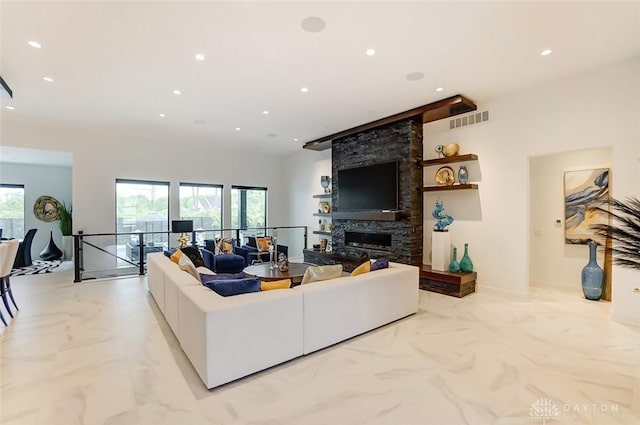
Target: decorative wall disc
[46,208]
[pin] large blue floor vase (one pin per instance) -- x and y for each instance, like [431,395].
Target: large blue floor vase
[592,275]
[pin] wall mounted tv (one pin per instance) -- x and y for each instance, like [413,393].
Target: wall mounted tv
[373,187]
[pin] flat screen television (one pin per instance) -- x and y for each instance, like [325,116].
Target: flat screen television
[373,187]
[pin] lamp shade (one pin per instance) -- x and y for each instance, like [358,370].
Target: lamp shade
[181,226]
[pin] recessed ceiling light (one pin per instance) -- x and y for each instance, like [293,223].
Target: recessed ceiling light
[34,43]
[11,108]
[415,76]
[200,57]
[295,140]
[265,112]
[371,52]
[161,115]
[546,52]
[304,89]
[177,92]
[237,128]
[439,89]
[48,79]
[312,24]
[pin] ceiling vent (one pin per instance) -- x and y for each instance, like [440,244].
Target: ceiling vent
[475,118]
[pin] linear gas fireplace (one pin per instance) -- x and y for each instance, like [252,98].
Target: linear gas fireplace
[367,240]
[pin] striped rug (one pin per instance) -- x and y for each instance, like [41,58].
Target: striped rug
[38,267]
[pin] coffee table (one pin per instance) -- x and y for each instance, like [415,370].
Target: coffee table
[266,273]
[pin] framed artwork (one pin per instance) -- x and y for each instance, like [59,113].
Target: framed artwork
[46,208]
[584,192]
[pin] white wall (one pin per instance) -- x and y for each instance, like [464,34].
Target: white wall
[551,260]
[100,158]
[304,169]
[39,180]
[593,110]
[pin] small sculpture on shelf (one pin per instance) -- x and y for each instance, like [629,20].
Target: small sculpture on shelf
[325,181]
[463,175]
[454,265]
[283,262]
[442,219]
[466,265]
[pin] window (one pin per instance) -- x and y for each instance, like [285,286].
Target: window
[248,207]
[202,203]
[12,210]
[142,206]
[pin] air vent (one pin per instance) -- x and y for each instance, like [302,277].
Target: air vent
[474,118]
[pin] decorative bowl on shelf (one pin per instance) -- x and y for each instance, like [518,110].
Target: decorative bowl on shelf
[445,176]
[324,207]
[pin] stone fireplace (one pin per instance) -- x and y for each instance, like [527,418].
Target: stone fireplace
[397,236]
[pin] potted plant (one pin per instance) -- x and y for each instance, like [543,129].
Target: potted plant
[66,228]
[624,231]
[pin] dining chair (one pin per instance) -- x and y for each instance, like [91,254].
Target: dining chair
[23,258]
[4,251]
[6,266]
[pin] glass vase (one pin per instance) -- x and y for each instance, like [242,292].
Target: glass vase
[466,265]
[592,274]
[454,266]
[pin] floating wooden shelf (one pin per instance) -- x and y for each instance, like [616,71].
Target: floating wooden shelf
[369,215]
[323,195]
[450,187]
[445,108]
[448,283]
[449,159]
[321,232]
[322,214]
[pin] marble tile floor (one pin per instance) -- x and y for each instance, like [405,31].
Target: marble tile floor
[100,352]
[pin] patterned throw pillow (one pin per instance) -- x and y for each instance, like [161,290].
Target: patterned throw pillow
[194,255]
[186,265]
[262,244]
[224,246]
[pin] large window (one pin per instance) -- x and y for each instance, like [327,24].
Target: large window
[142,206]
[248,207]
[12,210]
[202,203]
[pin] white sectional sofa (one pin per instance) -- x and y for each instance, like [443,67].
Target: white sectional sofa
[227,338]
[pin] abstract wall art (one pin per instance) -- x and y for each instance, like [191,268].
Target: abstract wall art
[584,192]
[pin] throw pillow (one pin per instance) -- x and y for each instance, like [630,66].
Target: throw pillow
[262,244]
[175,257]
[205,271]
[170,252]
[224,246]
[380,263]
[318,273]
[194,255]
[276,284]
[186,265]
[228,288]
[221,276]
[362,269]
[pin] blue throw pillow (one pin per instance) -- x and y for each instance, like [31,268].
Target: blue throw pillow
[228,288]
[380,263]
[204,278]
[169,253]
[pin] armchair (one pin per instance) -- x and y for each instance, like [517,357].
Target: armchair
[252,247]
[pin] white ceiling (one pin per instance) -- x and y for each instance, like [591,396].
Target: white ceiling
[115,64]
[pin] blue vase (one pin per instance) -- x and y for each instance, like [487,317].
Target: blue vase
[592,275]
[454,266]
[463,175]
[466,265]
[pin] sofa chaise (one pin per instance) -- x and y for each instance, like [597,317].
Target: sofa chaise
[227,338]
